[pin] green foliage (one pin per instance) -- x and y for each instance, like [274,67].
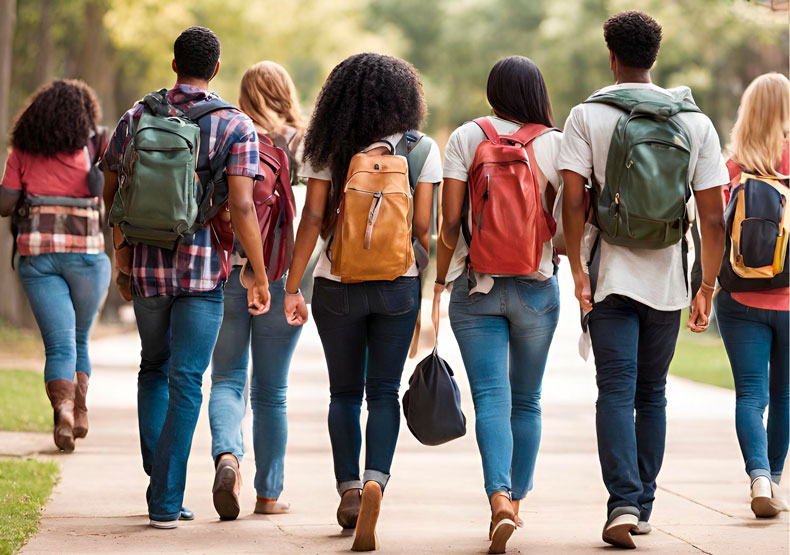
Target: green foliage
[25,486]
[714,46]
[15,341]
[23,402]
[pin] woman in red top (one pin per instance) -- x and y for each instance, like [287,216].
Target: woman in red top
[754,324]
[62,265]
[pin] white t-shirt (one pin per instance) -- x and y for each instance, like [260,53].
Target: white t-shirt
[458,157]
[653,277]
[431,173]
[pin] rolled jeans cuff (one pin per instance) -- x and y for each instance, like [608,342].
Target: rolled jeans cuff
[376,476]
[757,472]
[343,487]
[776,478]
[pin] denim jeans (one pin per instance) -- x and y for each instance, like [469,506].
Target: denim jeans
[273,342]
[366,329]
[178,334]
[65,291]
[633,346]
[504,337]
[757,346]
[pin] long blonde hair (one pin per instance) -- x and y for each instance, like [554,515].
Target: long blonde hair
[759,135]
[268,96]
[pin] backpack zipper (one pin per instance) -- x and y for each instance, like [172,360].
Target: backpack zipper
[485,199]
[372,215]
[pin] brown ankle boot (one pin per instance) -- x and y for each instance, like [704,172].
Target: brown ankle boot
[80,406]
[61,396]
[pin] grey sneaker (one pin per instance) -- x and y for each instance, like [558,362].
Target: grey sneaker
[642,527]
[163,524]
[617,530]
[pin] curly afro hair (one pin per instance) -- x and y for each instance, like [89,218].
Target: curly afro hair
[634,37]
[196,52]
[59,117]
[365,98]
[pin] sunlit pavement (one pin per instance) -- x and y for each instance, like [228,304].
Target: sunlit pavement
[435,500]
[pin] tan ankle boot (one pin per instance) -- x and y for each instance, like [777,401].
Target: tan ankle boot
[61,396]
[80,406]
[348,510]
[365,537]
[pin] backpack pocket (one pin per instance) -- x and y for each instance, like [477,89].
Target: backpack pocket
[758,242]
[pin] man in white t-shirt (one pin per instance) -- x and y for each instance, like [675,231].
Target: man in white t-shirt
[634,317]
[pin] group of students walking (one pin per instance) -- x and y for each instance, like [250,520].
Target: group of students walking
[200,197]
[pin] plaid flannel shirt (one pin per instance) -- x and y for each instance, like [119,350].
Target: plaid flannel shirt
[195,264]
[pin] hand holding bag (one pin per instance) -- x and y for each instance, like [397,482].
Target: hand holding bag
[432,404]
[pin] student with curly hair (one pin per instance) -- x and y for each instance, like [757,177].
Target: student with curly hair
[633,311]
[62,267]
[369,105]
[268,96]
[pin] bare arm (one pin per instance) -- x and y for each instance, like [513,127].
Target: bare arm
[306,238]
[453,195]
[710,205]
[573,216]
[423,203]
[8,200]
[110,187]
[247,230]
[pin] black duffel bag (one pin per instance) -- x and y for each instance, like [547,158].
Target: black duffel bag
[432,404]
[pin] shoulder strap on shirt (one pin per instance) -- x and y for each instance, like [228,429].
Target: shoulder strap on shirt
[488,128]
[197,114]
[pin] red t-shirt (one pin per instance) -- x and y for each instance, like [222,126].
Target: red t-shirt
[63,175]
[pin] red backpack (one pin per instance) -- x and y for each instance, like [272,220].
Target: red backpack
[276,210]
[509,224]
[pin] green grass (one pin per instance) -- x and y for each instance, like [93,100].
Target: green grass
[25,486]
[701,357]
[18,341]
[24,406]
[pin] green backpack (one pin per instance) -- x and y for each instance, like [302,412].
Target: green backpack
[643,200]
[167,188]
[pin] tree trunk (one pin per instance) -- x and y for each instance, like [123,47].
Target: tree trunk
[14,305]
[46,46]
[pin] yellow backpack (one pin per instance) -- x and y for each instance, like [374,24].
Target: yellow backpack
[758,228]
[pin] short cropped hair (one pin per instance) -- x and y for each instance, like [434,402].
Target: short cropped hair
[634,37]
[196,52]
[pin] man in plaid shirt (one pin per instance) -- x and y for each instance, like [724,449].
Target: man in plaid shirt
[177,294]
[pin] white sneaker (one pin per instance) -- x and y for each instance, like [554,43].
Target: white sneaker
[617,531]
[642,528]
[763,503]
[163,524]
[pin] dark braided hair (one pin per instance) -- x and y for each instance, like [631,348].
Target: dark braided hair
[634,38]
[196,52]
[365,98]
[59,117]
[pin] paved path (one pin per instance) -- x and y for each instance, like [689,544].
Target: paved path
[435,502]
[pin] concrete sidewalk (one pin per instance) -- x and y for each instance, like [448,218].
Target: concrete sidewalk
[435,501]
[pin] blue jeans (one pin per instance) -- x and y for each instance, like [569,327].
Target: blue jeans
[65,291]
[633,346]
[273,342]
[178,334]
[504,337]
[366,329]
[757,346]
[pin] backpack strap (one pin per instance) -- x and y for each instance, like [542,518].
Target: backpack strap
[197,113]
[488,128]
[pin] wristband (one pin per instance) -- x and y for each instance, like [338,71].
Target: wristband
[298,292]
[705,287]
[442,283]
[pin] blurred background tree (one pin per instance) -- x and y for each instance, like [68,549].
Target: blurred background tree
[123,49]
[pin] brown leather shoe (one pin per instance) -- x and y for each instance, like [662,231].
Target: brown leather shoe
[227,485]
[348,510]
[61,396]
[80,406]
[268,506]
[365,537]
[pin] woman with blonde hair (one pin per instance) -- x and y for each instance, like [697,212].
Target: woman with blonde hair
[268,96]
[753,313]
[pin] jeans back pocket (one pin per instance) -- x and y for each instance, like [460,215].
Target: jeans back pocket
[539,297]
[331,296]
